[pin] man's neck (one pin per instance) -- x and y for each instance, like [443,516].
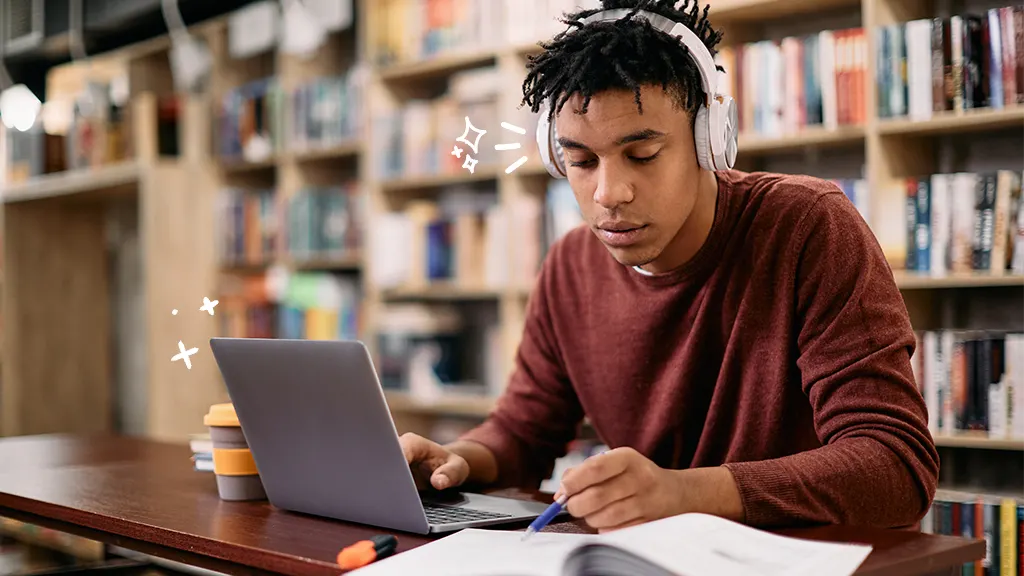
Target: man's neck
[694,231]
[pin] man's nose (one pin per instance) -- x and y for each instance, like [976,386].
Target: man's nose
[613,188]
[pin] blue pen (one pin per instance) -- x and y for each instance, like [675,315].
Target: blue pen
[554,510]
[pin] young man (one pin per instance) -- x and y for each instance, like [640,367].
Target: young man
[737,339]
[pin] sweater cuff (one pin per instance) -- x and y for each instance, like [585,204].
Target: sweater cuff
[766,491]
[503,445]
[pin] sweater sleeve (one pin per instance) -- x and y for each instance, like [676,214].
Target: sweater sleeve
[538,414]
[877,464]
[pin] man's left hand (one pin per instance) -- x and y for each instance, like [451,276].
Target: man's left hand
[622,488]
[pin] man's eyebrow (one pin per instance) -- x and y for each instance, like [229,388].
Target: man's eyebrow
[646,134]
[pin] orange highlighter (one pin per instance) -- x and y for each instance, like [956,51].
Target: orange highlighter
[366,551]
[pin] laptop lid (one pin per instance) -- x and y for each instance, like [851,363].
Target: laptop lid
[318,425]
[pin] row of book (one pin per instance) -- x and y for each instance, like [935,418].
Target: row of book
[95,131]
[972,381]
[261,118]
[965,222]
[416,30]
[302,305]
[784,86]
[456,132]
[313,223]
[961,62]
[465,239]
[995,518]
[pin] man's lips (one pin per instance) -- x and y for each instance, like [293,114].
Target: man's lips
[620,234]
[619,226]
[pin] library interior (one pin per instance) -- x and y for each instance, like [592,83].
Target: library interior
[173,171]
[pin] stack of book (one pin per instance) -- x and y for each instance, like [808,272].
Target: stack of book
[324,223]
[416,30]
[202,452]
[247,226]
[972,381]
[325,112]
[419,137]
[962,62]
[247,309]
[251,121]
[965,222]
[996,518]
[782,87]
[464,239]
[319,306]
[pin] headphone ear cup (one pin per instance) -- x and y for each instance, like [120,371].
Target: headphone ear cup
[547,145]
[701,140]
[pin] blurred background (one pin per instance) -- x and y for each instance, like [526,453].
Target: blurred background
[316,167]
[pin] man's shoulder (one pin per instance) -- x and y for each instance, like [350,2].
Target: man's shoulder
[791,201]
[782,191]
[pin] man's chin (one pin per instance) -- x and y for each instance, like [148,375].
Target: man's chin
[631,256]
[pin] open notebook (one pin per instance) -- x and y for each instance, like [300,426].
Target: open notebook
[684,545]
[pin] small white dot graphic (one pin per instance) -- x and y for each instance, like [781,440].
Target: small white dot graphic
[174,312]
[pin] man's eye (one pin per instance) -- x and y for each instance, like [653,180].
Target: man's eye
[580,163]
[644,159]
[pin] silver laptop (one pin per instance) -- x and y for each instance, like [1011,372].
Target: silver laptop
[319,428]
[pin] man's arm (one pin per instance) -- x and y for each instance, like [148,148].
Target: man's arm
[538,414]
[878,465]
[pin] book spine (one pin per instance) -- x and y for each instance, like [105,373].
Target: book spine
[923,230]
[983,220]
[1018,32]
[940,64]
[1009,56]
[911,223]
[995,59]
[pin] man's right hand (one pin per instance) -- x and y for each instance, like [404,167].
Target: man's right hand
[433,465]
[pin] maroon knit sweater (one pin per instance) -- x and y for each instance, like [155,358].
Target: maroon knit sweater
[781,350]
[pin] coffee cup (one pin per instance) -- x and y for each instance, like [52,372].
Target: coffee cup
[233,464]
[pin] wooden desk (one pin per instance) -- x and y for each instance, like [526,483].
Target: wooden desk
[145,496]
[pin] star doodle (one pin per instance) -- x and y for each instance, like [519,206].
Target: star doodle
[470,164]
[476,142]
[457,152]
[184,354]
[208,306]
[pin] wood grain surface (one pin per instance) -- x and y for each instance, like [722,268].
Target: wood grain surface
[145,496]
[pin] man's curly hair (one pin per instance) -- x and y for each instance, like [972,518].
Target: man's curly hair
[624,54]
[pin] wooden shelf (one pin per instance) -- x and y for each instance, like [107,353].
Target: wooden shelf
[742,10]
[102,179]
[922,281]
[979,440]
[346,263]
[442,292]
[472,406]
[976,120]
[811,137]
[429,182]
[336,152]
[240,166]
[439,66]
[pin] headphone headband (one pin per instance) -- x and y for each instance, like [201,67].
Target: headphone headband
[698,51]
[715,123]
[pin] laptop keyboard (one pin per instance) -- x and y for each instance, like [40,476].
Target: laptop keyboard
[449,515]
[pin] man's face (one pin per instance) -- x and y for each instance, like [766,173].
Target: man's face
[634,175]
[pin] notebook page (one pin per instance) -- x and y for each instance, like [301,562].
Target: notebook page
[477,552]
[699,545]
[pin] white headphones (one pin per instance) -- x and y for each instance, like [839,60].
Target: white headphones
[715,127]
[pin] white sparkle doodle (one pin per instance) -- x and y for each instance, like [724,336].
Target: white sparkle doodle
[184,354]
[470,164]
[208,306]
[469,127]
[513,146]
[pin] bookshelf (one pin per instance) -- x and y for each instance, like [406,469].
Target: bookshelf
[864,150]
